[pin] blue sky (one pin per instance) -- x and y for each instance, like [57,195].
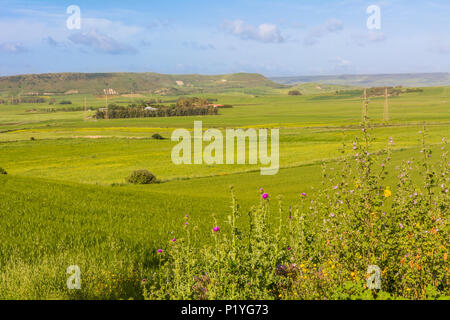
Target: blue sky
[275,38]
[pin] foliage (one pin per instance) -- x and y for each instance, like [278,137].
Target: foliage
[157,136]
[135,111]
[192,102]
[3,171]
[294,93]
[324,247]
[141,177]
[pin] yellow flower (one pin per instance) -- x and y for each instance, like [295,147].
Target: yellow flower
[387,193]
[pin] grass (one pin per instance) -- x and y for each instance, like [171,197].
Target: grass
[64,203]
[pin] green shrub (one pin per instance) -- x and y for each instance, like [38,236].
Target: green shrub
[141,177]
[294,93]
[3,171]
[157,136]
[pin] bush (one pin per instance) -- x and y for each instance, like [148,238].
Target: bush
[65,102]
[141,177]
[157,136]
[294,93]
[3,171]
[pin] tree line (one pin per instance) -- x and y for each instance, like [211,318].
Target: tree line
[136,111]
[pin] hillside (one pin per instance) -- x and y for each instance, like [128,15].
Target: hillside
[380,80]
[125,83]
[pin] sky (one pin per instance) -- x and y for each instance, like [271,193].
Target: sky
[271,37]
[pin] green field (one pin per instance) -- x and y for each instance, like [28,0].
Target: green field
[65,201]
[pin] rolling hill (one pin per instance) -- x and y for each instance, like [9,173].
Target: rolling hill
[379,80]
[125,83]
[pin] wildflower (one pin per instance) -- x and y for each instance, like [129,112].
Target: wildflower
[144,280]
[186,223]
[401,225]
[159,251]
[174,239]
[332,215]
[335,187]
[216,229]
[261,189]
[387,193]
[265,196]
[303,194]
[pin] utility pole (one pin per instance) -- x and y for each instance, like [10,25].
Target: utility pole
[365,111]
[85,110]
[386,105]
[106,97]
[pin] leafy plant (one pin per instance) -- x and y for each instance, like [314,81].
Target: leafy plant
[157,136]
[141,177]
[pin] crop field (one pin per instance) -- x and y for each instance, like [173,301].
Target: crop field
[65,200]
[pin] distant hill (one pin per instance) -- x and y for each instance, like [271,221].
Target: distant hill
[129,83]
[379,80]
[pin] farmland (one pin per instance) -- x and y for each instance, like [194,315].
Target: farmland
[65,201]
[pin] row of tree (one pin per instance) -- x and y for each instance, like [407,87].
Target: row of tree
[16,100]
[136,111]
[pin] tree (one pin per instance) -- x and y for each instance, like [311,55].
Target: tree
[294,93]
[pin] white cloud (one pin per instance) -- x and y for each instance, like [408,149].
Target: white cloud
[330,26]
[12,47]
[266,32]
[369,37]
[101,43]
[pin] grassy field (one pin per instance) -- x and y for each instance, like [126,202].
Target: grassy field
[65,202]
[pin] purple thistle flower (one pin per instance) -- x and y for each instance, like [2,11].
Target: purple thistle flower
[265,196]
[304,194]
[159,251]
[216,229]
[174,239]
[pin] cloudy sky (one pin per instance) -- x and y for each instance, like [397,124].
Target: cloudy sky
[272,37]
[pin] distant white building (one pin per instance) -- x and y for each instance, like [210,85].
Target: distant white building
[150,109]
[110,92]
